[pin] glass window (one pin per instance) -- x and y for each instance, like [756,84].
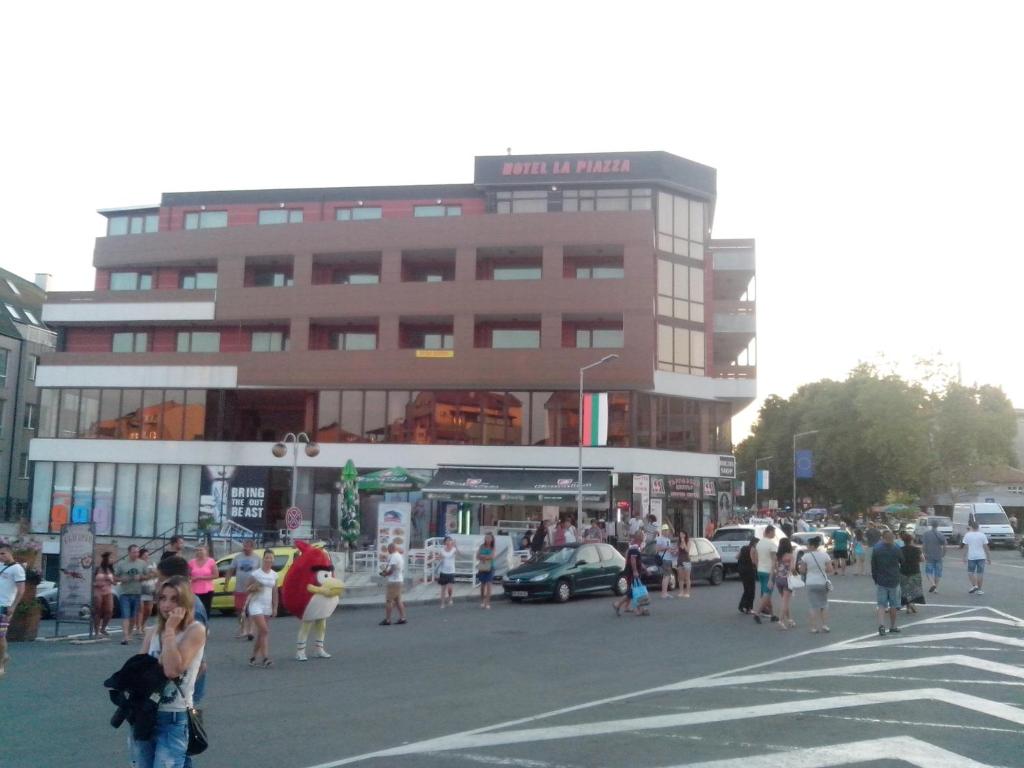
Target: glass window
[280,216]
[48,400]
[206,219]
[438,341]
[131,281]
[517,273]
[3,411]
[353,340]
[350,277]
[167,498]
[680,217]
[13,312]
[67,426]
[351,415]
[31,317]
[130,341]
[374,417]
[696,285]
[682,346]
[697,351]
[32,364]
[89,413]
[110,405]
[664,343]
[42,486]
[328,414]
[363,213]
[422,211]
[199,341]
[515,338]
[606,338]
[192,281]
[124,499]
[195,414]
[152,414]
[269,278]
[696,221]
[188,496]
[145,501]
[128,425]
[12,286]
[398,401]
[681,283]
[31,416]
[174,413]
[269,341]
[117,225]
[3,367]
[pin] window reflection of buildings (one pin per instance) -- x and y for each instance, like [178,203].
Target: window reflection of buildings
[427,417]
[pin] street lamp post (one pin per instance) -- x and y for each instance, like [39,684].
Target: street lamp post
[757,507]
[795,437]
[280,449]
[579,479]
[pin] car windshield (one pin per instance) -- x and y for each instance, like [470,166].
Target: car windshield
[942,521]
[990,518]
[554,555]
[732,535]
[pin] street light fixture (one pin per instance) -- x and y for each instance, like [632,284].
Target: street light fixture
[757,461]
[795,437]
[579,480]
[281,449]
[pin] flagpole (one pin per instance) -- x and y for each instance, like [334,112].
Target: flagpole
[579,478]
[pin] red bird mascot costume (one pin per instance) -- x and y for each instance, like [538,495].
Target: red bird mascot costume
[310,592]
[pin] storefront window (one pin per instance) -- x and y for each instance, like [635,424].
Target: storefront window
[124,500]
[145,501]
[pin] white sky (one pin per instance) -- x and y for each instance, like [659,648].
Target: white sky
[874,150]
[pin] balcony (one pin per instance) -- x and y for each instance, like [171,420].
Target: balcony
[71,307]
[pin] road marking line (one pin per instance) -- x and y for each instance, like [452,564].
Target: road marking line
[945,681]
[696,682]
[492,739]
[970,635]
[917,723]
[900,748]
[989,619]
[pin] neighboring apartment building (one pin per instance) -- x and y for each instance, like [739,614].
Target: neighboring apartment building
[437,328]
[23,340]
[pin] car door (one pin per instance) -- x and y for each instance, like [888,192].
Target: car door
[707,556]
[612,564]
[587,569]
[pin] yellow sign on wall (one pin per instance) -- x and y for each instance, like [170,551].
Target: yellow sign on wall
[435,353]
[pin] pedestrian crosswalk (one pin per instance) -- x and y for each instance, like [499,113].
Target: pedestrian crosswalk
[944,693]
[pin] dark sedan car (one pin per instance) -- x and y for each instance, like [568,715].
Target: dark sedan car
[706,566]
[561,572]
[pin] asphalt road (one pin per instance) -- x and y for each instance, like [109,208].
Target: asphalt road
[559,686]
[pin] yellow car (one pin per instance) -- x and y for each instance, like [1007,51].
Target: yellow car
[224,586]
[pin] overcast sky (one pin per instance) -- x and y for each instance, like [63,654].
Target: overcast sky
[874,150]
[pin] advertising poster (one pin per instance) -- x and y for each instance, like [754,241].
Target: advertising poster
[235,494]
[657,509]
[392,523]
[77,542]
[642,492]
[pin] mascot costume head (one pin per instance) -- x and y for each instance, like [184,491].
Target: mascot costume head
[310,593]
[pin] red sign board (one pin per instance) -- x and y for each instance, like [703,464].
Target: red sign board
[293,518]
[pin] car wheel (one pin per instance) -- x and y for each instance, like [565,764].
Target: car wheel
[622,585]
[563,591]
[716,576]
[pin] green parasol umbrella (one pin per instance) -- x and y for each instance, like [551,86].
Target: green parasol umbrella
[349,503]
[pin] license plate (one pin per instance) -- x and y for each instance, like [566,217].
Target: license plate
[520,593]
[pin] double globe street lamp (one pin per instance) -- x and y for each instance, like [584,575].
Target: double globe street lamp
[280,450]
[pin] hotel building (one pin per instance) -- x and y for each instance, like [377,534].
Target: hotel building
[437,328]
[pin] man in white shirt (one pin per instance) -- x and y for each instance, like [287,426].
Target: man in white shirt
[976,554]
[394,572]
[12,587]
[764,556]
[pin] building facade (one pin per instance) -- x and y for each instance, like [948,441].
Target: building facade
[23,341]
[437,328]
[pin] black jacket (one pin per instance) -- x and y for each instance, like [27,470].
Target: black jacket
[135,690]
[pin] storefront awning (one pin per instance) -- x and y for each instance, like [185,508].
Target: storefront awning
[539,486]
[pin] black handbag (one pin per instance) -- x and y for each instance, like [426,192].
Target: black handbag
[197,741]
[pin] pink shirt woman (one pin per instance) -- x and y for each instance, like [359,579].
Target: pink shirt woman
[202,570]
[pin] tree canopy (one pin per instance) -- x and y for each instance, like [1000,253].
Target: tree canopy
[880,437]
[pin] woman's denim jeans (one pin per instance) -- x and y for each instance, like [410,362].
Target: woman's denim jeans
[167,747]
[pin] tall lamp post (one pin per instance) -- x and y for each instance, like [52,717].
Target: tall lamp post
[579,482]
[795,438]
[281,448]
[757,507]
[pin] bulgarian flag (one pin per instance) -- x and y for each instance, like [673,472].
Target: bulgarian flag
[595,419]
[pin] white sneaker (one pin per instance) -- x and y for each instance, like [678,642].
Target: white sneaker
[300,656]
[978,592]
[320,653]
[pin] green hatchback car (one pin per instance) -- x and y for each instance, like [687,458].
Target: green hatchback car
[561,572]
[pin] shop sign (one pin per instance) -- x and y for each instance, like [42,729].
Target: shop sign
[727,466]
[435,354]
[392,523]
[657,486]
[642,484]
[682,487]
[709,489]
[76,568]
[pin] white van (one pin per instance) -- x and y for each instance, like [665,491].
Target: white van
[991,519]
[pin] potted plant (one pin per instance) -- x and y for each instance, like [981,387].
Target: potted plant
[25,619]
